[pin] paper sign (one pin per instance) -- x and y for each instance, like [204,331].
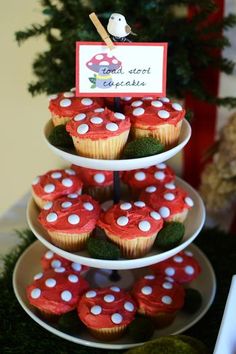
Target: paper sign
[131,69]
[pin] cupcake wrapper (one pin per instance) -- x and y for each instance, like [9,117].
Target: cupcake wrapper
[51,317]
[39,201]
[108,334]
[57,120]
[180,217]
[100,193]
[108,149]
[167,134]
[133,248]
[69,242]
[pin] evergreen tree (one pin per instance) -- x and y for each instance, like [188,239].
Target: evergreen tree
[192,43]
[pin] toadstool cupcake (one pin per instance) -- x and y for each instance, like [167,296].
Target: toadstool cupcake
[99,134]
[172,202]
[64,106]
[156,175]
[56,292]
[54,184]
[159,298]
[183,267]
[133,226]
[70,220]
[106,312]
[158,118]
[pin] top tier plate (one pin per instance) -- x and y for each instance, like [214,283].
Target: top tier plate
[120,165]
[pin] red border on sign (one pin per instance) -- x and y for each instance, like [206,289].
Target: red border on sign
[115,94]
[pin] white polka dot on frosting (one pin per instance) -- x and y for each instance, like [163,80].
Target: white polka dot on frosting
[66,102]
[76,266]
[79,117]
[155,215]
[178,259]
[112,127]
[189,201]
[99,177]
[116,289]
[35,293]
[66,295]
[70,172]
[90,294]
[73,278]
[126,98]
[96,310]
[49,255]
[49,188]
[189,270]
[169,196]
[188,253]
[165,99]
[51,217]
[177,106]
[159,175]
[167,285]
[47,206]
[166,300]
[170,271]
[67,182]
[38,276]
[73,195]
[144,225]
[36,181]
[170,186]
[157,103]
[52,97]
[140,176]
[116,318]
[151,189]
[122,221]
[50,283]
[83,129]
[165,212]
[146,290]
[66,205]
[119,115]
[125,206]
[56,175]
[86,101]
[88,206]
[99,110]
[128,306]
[136,103]
[96,120]
[161,166]
[73,89]
[56,263]
[73,219]
[60,270]
[139,204]
[109,298]
[147,98]
[68,94]
[138,111]
[163,114]
[149,277]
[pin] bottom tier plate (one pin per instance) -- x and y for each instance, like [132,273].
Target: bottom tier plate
[29,264]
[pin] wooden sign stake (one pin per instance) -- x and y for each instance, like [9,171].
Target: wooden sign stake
[101,30]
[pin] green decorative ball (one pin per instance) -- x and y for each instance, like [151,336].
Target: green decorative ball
[102,249]
[142,147]
[193,300]
[69,321]
[60,137]
[170,236]
[141,329]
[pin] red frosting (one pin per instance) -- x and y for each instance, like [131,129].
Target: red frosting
[56,183]
[168,200]
[56,291]
[51,260]
[158,294]
[106,308]
[72,213]
[154,112]
[144,177]
[95,178]
[98,124]
[131,219]
[66,104]
[183,267]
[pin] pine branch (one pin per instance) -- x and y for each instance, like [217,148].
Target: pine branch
[34,31]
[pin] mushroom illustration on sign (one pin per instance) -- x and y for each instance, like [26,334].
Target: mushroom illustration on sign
[104,65]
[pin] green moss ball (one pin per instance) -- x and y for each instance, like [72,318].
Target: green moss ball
[60,137]
[170,236]
[142,147]
[193,301]
[102,249]
[141,329]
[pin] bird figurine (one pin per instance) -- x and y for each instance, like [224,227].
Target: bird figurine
[118,28]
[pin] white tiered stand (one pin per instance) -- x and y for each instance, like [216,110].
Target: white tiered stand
[29,264]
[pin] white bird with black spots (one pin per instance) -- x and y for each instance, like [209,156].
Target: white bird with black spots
[119,28]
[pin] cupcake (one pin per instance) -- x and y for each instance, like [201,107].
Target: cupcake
[56,292]
[99,134]
[70,220]
[183,267]
[133,226]
[171,202]
[64,106]
[51,260]
[154,175]
[159,298]
[54,184]
[158,118]
[106,312]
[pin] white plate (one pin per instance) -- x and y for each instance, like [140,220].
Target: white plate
[193,226]
[23,275]
[120,165]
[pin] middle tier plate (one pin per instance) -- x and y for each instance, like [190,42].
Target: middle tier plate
[193,226]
